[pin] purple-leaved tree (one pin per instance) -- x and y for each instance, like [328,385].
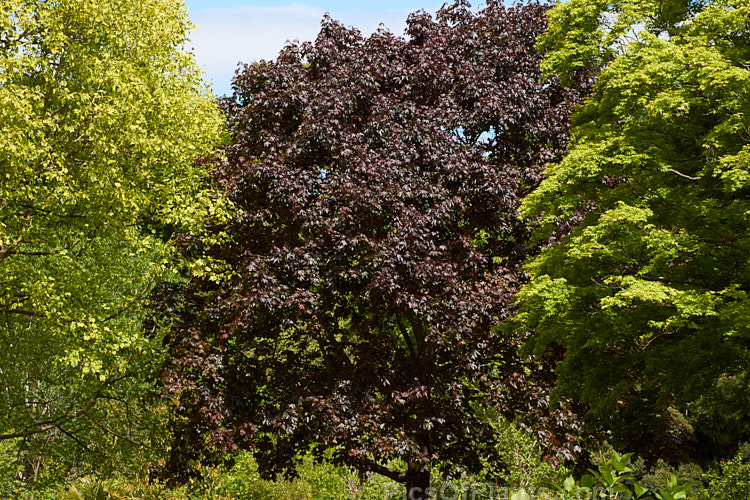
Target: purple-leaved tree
[376,246]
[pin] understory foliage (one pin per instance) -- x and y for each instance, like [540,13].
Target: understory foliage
[102,115]
[648,294]
[376,247]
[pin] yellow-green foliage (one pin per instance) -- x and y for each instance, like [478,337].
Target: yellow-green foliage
[648,292]
[102,117]
[732,481]
[319,481]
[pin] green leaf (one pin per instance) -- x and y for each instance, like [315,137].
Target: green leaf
[606,473]
[639,490]
[569,484]
[587,481]
[520,495]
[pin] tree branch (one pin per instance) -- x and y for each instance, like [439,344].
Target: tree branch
[56,423]
[7,252]
[50,424]
[418,329]
[407,338]
[372,466]
[22,312]
[132,302]
[685,176]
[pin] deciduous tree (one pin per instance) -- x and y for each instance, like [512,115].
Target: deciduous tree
[377,245]
[648,295]
[102,115]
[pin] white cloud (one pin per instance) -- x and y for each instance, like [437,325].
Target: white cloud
[223,37]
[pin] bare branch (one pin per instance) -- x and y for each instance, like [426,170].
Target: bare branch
[685,176]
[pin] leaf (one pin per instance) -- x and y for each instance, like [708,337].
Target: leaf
[73,494]
[520,495]
[606,473]
[639,490]
[587,481]
[620,488]
[569,484]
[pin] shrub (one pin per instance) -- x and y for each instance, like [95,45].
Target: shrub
[733,482]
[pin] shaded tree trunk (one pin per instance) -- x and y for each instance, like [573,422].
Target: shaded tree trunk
[417,482]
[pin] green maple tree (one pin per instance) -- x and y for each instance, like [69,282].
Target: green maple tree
[648,293]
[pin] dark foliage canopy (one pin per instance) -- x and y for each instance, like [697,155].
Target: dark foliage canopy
[375,248]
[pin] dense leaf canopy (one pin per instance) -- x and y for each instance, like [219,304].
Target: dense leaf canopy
[102,114]
[648,295]
[376,247]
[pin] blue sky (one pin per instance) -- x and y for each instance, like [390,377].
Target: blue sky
[342,6]
[228,31]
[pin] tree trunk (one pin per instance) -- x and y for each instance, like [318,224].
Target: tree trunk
[417,482]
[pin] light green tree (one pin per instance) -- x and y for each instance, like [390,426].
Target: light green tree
[648,293]
[103,115]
